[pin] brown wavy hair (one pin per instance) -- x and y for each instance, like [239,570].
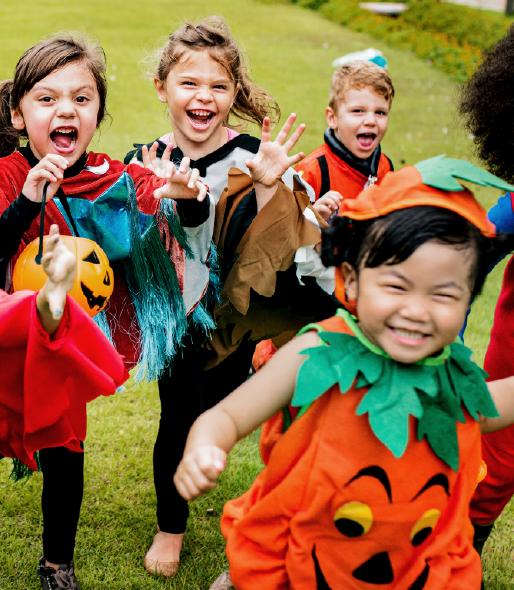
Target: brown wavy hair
[251,103]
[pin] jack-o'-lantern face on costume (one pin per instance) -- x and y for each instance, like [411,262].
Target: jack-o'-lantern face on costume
[94,279]
[372,521]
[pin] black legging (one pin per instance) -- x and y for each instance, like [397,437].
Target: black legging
[185,392]
[63,485]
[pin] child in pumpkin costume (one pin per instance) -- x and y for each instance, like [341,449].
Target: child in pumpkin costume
[370,485]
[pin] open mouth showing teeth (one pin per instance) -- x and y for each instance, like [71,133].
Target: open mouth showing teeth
[199,116]
[409,334]
[64,137]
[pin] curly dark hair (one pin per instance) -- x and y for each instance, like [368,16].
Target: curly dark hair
[487,105]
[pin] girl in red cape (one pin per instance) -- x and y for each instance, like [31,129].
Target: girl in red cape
[54,360]
[370,484]
[56,101]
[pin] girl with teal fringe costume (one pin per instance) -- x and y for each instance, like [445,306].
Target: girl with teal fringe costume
[57,101]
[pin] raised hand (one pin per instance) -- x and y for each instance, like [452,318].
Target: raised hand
[159,166]
[182,183]
[59,265]
[49,169]
[273,159]
[199,470]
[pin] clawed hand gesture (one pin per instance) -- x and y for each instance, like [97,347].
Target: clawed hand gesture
[182,183]
[272,159]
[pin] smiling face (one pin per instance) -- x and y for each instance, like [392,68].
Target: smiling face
[413,309]
[60,112]
[199,92]
[359,120]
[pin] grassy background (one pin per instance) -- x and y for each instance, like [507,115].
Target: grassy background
[290,51]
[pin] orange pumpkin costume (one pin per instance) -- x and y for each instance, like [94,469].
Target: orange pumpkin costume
[335,509]
[353,497]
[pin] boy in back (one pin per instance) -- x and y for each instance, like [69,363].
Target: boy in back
[357,114]
[350,160]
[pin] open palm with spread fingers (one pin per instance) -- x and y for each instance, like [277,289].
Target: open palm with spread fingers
[273,159]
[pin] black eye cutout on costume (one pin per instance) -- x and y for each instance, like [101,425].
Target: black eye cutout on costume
[424,526]
[92,257]
[353,519]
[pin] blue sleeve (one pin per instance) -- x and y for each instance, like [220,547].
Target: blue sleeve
[502,214]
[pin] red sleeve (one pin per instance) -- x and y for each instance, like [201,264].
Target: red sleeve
[145,182]
[12,178]
[46,382]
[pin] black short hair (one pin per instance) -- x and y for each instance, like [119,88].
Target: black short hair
[392,238]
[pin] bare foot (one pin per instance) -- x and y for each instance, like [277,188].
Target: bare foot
[163,557]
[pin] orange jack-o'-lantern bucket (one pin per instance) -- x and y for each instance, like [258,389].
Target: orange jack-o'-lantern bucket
[94,279]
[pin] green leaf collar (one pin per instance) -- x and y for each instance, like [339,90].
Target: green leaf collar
[432,390]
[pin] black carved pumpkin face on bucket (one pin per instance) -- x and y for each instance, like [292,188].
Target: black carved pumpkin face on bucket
[94,279]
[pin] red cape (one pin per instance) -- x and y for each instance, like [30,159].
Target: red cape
[46,382]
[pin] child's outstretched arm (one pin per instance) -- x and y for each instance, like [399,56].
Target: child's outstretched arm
[59,265]
[502,392]
[216,431]
[272,159]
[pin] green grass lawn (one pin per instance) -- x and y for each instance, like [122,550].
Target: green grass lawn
[290,51]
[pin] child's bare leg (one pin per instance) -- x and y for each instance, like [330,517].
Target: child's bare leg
[59,265]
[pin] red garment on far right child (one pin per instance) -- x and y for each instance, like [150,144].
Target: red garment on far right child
[496,490]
